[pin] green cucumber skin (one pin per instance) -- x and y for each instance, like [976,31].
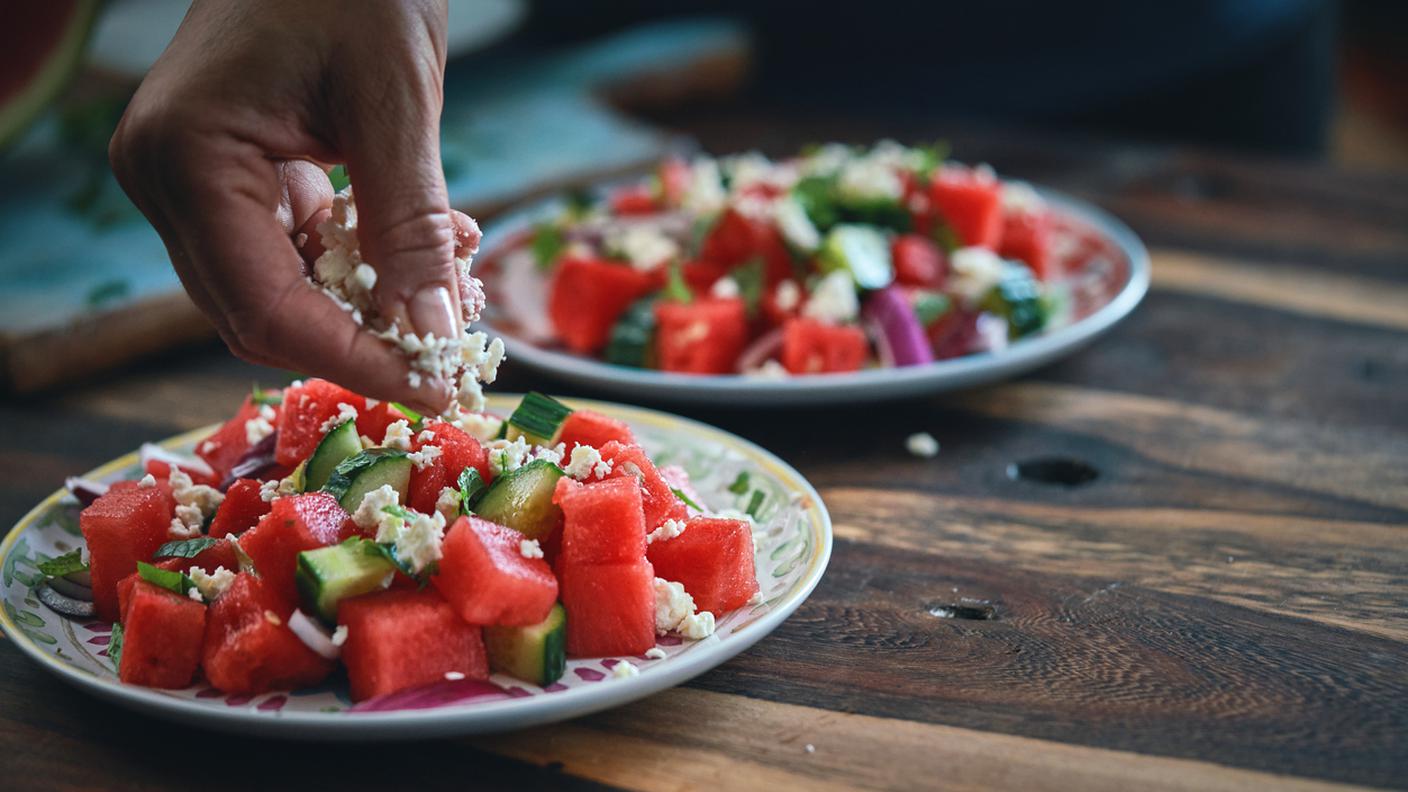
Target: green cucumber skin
[538,420]
[365,471]
[632,341]
[522,500]
[340,443]
[320,589]
[536,653]
[860,251]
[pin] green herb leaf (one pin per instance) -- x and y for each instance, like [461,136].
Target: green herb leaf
[65,564]
[400,512]
[185,548]
[546,245]
[817,195]
[946,237]
[930,306]
[750,279]
[471,486]
[168,579]
[115,645]
[755,503]
[339,178]
[271,397]
[579,201]
[688,501]
[675,287]
[740,484]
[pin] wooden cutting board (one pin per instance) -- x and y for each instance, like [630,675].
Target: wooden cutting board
[87,286]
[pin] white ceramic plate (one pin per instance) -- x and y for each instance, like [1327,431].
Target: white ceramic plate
[1122,286]
[793,539]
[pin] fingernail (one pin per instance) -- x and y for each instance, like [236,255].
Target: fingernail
[432,311]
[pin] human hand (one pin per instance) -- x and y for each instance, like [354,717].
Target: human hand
[224,147]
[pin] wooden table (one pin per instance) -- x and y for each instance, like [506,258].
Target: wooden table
[1224,605]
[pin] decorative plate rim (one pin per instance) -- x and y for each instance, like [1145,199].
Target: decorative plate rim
[476,716]
[869,385]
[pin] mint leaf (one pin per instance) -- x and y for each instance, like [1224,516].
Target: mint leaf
[115,646]
[547,244]
[740,484]
[170,580]
[471,486]
[930,306]
[66,564]
[185,548]
[271,397]
[688,501]
[675,287]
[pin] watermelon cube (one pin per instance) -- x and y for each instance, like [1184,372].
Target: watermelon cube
[457,451]
[713,560]
[701,337]
[918,261]
[124,526]
[305,409]
[485,577]
[228,443]
[591,428]
[602,522]
[588,295]
[636,199]
[610,608]
[738,238]
[1026,237]
[813,347]
[248,646]
[402,639]
[657,499]
[293,524]
[240,510]
[372,422]
[969,203]
[162,636]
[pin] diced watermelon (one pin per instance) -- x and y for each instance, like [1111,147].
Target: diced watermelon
[713,560]
[305,409]
[637,199]
[249,647]
[162,635]
[587,296]
[124,526]
[228,443]
[591,428]
[701,275]
[773,310]
[813,347]
[738,238]
[918,261]
[701,337]
[402,639]
[610,608]
[602,522]
[1026,237]
[220,554]
[240,510]
[485,577]
[457,451]
[293,524]
[970,204]
[372,422]
[658,500]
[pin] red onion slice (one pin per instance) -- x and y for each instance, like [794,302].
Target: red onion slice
[86,490]
[151,452]
[889,308]
[257,460]
[760,351]
[313,636]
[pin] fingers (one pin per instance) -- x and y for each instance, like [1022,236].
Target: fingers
[306,201]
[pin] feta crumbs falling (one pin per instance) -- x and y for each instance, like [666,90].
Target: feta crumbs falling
[260,426]
[529,548]
[586,463]
[148,481]
[698,626]
[477,425]
[425,457]
[922,444]
[655,653]
[345,413]
[210,585]
[625,670]
[667,530]
[398,436]
[194,503]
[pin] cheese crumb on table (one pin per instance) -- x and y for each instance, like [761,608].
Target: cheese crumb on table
[922,444]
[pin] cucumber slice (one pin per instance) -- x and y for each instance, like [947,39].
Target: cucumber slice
[522,500]
[536,654]
[538,420]
[632,341]
[861,251]
[341,442]
[365,471]
[330,574]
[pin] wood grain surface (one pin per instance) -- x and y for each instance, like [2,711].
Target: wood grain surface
[1223,606]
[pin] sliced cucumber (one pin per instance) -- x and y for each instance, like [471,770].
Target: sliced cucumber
[536,654]
[538,419]
[861,251]
[522,499]
[632,341]
[328,575]
[365,471]
[341,442]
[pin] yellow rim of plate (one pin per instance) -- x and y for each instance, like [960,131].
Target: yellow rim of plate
[819,522]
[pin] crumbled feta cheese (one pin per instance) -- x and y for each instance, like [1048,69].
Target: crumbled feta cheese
[769,370]
[211,584]
[644,246]
[795,226]
[454,676]
[345,413]
[1020,198]
[194,503]
[672,605]
[209,446]
[448,504]
[506,456]
[833,299]
[339,636]
[278,488]
[655,653]
[698,626]
[425,457]
[788,295]
[867,179]
[194,593]
[624,670]
[586,463]
[426,435]
[724,288]
[148,481]
[922,444]
[975,271]
[826,160]
[529,548]
[364,277]
[992,333]
[704,195]
[756,599]
[261,425]
[370,512]
[667,530]
[418,540]
[748,169]
[553,455]
[272,618]
[366,442]
[398,436]
[477,425]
